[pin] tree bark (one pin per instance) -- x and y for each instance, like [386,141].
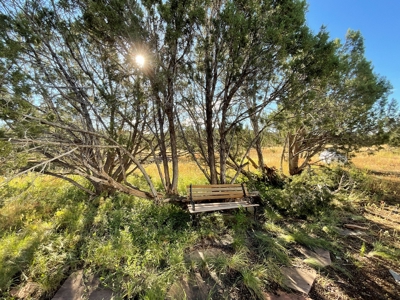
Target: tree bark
[293,148]
[209,120]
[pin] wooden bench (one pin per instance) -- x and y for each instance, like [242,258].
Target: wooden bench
[218,197]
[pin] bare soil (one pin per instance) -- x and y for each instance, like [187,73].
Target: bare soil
[359,274]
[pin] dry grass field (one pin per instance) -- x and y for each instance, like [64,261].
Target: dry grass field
[383,166]
[384,170]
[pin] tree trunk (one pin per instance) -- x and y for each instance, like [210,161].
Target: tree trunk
[110,187]
[251,102]
[162,145]
[172,187]
[210,147]
[101,188]
[209,121]
[222,158]
[296,147]
[223,143]
[293,154]
[260,156]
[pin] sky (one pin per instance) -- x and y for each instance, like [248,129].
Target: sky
[377,20]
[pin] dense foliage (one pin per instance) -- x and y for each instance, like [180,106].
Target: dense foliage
[310,192]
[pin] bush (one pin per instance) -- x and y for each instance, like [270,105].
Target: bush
[310,192]
[305,195]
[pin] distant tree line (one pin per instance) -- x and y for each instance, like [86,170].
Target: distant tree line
[218,79]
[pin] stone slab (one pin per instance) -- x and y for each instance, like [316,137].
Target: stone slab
[320,256]
[299,279]
[96,291]
[101,294]
[28,291]
[225,240]
[395,275]
[201,255]
[74,288]
[280,295]
[190,288]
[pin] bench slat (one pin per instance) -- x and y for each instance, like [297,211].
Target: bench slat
[220,204]
[216,192]
[195,192]
[214,186]
[197,188]
[230,205]
[216,197]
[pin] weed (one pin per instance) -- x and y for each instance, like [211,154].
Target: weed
[224,264]
[362,249]
[267,246]
[301,237]
[272,271]
[212,225]
[273,228]
[384,251]
[342,270]
[271,214]
[241,223]
[16,252]
[313,263]
[251,279]
[154,293]
[51,261]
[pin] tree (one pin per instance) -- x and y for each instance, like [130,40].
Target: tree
[72,94]
[343,108]
[240,44]
[169,28]
[73,103]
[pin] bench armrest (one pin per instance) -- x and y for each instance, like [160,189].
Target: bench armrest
[191,198]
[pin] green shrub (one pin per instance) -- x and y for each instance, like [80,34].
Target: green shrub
[310,192]
[138,246]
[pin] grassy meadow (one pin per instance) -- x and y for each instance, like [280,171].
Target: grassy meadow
[49,229]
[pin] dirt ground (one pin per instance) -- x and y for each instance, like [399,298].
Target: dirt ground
[361,274]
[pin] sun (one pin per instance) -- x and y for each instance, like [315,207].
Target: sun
[140,60]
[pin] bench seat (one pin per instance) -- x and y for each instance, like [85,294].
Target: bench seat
[206,207]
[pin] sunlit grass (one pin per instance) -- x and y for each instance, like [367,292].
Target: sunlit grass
[384,168]
[385,160]
[189,173]
[384,251]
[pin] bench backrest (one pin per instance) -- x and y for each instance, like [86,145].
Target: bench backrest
[216,192]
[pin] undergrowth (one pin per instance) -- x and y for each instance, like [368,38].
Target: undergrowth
[49,229]
[311,192]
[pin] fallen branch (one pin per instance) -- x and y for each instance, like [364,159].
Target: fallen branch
[352,226]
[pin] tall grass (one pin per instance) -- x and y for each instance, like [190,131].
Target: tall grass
[41,220]
[49,229]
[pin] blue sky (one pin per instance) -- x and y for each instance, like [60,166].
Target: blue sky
[379,23]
